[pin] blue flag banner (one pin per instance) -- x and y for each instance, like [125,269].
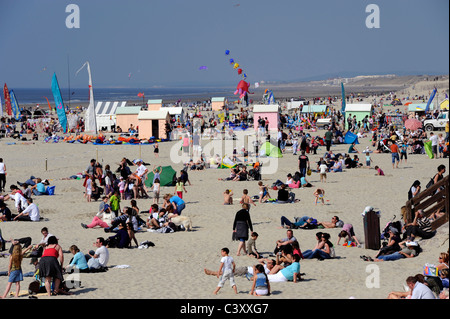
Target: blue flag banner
[14,105]
[59,104]
[431,99]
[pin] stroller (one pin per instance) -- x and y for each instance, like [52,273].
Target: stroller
[385,232]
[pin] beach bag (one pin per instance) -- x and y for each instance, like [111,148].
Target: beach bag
[308,172]
[430,270]
[51,190]
[430,183]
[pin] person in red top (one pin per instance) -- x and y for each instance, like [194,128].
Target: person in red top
[395,154]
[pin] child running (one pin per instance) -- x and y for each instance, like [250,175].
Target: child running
[227,268]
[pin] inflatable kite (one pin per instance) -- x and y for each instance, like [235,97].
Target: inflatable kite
[242,89]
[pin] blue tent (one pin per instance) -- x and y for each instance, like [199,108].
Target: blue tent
[350,138]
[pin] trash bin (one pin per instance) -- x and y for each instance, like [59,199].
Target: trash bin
[372,233]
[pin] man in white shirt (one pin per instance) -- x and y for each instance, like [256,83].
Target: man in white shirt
[29,214]
[142,172]
[434,144]
[99,258]
[419,290]
[20,202]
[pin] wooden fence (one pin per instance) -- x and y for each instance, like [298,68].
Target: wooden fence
[430,202]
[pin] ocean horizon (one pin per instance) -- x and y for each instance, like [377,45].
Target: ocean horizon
[27,96]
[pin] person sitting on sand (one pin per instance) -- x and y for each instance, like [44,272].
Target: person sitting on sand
[260,285]
[323,250]
[379,171]
[289,273]
[263,192]
[228,197]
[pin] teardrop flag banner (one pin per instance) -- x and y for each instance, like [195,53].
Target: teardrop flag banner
[59,104]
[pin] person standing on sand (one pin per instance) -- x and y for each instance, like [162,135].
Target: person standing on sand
[227,268]
[2,175]
[242,223]
[395,154]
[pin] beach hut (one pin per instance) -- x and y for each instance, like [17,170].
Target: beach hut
[105,114]
[127,116]
[314,109]
[153,124]
[418,109]
[358,110]
[154,105]
[177,113]
[218,103]
[444,105]
[269,111]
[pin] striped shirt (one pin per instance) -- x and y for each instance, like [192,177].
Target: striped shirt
[425,224]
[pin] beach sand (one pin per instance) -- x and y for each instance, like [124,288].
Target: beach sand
[173,268]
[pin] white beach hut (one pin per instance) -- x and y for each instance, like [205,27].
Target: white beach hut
[105,114]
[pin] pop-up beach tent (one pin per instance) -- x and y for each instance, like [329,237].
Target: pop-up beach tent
[350,138]
[270,150]
[166,178]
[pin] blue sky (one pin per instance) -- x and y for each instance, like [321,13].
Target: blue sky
[164,42]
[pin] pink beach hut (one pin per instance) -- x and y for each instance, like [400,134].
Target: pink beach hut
[269,111]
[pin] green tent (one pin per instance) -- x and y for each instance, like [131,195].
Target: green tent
[166,177]
[270,150]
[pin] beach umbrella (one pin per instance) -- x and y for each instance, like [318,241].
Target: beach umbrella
[413,124]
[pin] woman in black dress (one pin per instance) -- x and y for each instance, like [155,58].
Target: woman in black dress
[242,223]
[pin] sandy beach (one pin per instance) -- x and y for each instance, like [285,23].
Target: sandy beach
[173,268]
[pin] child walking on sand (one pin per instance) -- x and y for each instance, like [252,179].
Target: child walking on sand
[323,171]
[368,160]
[122,188]
[15,269]
[228,197]
[319,194]
[227,268]
[179,188]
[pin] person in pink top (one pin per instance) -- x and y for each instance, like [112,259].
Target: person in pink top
[348,233]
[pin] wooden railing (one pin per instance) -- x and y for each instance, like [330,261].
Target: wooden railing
[430,202]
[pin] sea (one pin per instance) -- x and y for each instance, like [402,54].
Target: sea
[76,96]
